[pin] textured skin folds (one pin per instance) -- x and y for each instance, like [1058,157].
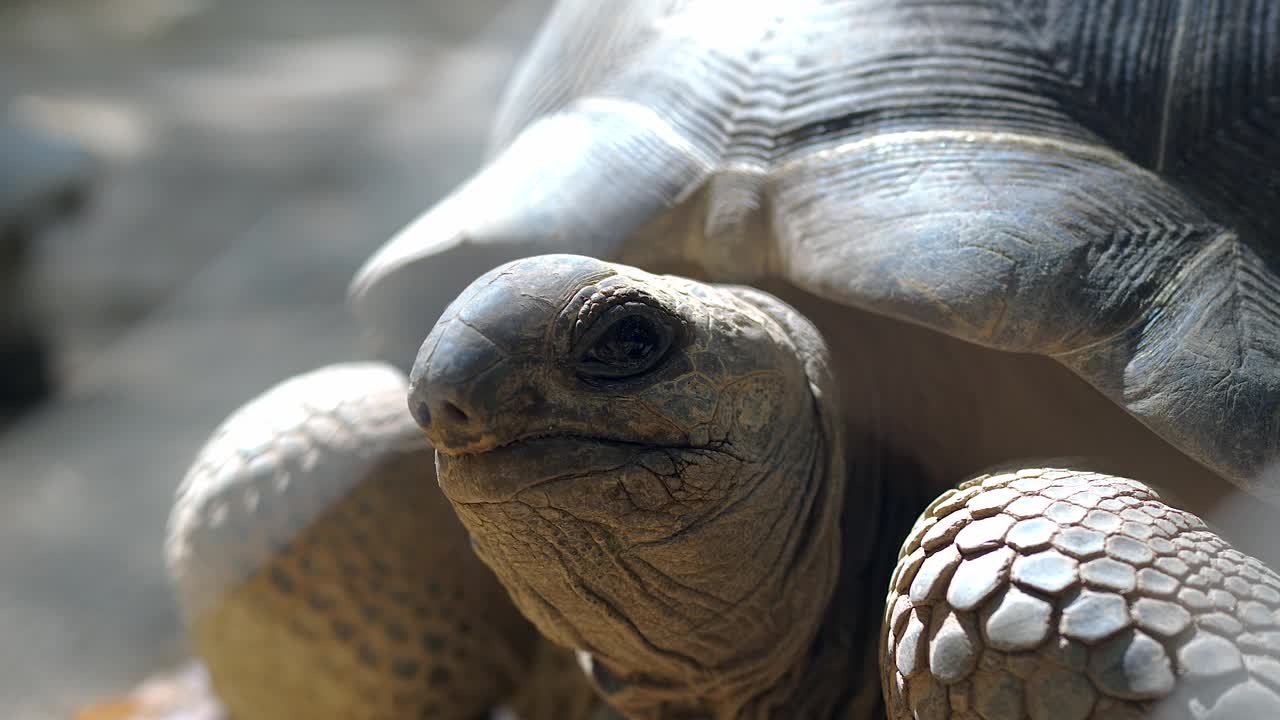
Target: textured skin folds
[1048,593]
[1025,227]
[682,534]
[617,513]
[323,575]
[1090,180]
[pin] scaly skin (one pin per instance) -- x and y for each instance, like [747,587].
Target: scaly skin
[1056,594]
[657,470]
[621,534]
[324,576]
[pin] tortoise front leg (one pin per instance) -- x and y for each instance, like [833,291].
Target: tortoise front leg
[323,574]
[1054,593]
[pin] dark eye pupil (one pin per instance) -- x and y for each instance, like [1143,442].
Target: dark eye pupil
[629,340]
[627,344]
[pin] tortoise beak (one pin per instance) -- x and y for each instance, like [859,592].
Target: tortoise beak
[480,377]
[455,388]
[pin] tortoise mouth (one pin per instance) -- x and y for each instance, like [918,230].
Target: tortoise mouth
[501,473]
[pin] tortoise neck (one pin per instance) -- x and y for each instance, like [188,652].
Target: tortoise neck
[767,634]
[839,675]
[886,492]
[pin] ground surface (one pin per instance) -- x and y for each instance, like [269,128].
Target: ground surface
[255,152]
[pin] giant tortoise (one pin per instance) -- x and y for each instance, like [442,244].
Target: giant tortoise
[981,235]
[667,476]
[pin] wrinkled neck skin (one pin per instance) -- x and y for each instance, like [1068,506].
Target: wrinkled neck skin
[765,639]
[709,581]
[887,491]
[715,617]
[884,495]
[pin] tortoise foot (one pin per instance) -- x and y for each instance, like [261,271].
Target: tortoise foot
[323,575]
[1053,593]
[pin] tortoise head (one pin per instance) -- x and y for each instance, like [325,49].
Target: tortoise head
[645,463]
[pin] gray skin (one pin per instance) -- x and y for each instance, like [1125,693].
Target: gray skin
[1094,182]
[667,477]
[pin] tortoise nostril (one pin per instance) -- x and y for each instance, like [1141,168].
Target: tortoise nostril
[422,414]
[453,413]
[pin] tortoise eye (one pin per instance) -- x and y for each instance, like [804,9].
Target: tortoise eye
[632,340]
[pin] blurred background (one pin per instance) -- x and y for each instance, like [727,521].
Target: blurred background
[186,187]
